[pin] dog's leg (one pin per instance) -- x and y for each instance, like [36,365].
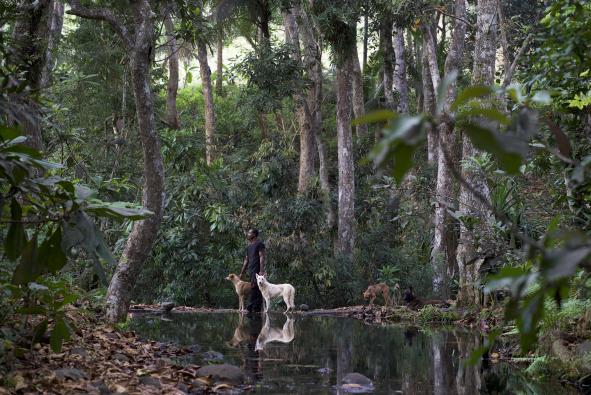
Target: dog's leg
[240,303]
[266,308]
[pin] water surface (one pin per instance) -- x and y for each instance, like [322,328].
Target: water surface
[311,354]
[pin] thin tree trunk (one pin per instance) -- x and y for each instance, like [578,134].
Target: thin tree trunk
[471,240]
[139,243]
[346,217]
[400,81]
[430,47]
[205,73]
[386,36]
[324,183]
[358,98]
[428,105]
[172,115]
[365,40]
[56,23]
[219,89]
[308,150]
[443,252]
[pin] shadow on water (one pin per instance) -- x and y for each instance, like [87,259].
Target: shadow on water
[310,355]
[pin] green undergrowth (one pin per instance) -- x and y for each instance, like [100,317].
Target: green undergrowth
[431,314]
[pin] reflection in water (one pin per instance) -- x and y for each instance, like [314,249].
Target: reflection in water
[270,334]
[309,355]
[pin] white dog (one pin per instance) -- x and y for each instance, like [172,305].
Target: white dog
[269,334]
[274,290]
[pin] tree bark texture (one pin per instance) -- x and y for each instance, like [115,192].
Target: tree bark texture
[172,115]
[444,240]
[358,98]
[472,240]
[365,39]
[428,105]
[346,214]
[400,81]
[219,89]
[56,23]
[388,50]
[141,239]
[209,111]
[308,150]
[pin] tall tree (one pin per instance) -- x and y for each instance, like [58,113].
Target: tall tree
[206,88]
[386,26]
[444,240]
[54,32]
[138,40]
[471,239]
[34,34]
[172,115]
[219,89]
[358,97]
[308,149]
[428,104]
[400,81]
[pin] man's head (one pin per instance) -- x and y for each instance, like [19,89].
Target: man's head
[252,234]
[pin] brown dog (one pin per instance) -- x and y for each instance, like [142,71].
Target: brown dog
[375,290]
[242,289]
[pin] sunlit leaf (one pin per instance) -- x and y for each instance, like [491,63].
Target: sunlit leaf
[470,93]
[448,79]
[375,116]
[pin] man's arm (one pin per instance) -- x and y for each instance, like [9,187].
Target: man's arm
[244,266]
[262,260]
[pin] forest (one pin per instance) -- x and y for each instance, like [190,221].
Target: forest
[441,147]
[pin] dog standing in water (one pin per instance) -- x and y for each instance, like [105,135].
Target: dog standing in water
[242,290]
[269,291]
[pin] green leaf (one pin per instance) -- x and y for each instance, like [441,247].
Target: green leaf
[485,112]
[70,298]
[8,133]
[470,93]
[16,238]
[489,141]
[59,334]
[562,263]
[118,210]
[82,192]
[375,116]
[28,268]
[39,331]
[51,254]
[189,77]
[541,97]
[32,310]
[400,141]
[528,320]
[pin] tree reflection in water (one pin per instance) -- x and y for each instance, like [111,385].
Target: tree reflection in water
[397,358]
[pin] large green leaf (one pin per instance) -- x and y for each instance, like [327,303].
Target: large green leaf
[28,268]
[16,238]
[118,210]
[39,331]
[8,133]
[499,146]
[562,263]
[51,254]
[375,116]
[443,88]
[59,334]
[469,93]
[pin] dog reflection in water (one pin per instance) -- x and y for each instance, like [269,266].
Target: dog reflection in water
[242,333]
[269,334]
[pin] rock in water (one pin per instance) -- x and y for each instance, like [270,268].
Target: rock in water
[304,307]
[223,373]
[356,383]
[167,306]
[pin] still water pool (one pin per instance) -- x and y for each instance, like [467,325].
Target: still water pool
[311,354]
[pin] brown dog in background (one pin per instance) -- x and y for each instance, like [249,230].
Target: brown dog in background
[376,290]
[242,289]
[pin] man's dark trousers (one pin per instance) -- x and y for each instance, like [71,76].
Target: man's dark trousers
[256,299]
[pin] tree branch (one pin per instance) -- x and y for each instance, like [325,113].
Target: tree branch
[102,14]
[509,73]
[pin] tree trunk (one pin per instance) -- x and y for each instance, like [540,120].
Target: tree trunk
[308,149]
[365,40]
[219,90]
[386,37]
[172,115]
[32,38]
[346,217]
[443,252]
[139,243]
[430,47]
[358,99]
[56,23]
[428,105]
[324,183]
[472,240]
[209,111]
[400,81]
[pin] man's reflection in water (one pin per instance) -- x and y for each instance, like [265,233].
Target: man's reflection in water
[254,362]
[409,334]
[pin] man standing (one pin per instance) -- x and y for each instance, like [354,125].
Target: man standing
[254,259]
